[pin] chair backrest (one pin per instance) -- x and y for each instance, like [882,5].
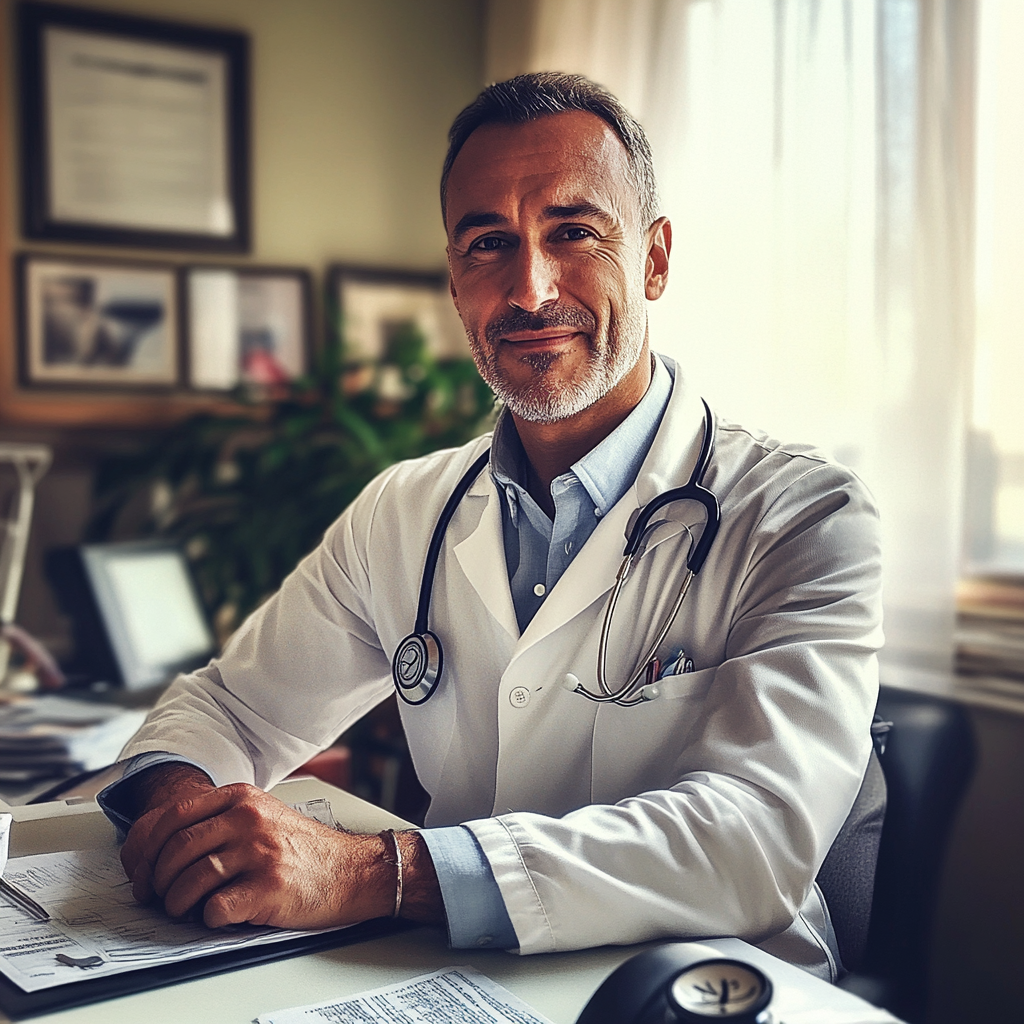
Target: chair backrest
[928,764]
[847,875]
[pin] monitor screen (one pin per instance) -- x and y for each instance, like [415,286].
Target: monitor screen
[150,607]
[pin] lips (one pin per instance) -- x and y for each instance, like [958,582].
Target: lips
[543,328]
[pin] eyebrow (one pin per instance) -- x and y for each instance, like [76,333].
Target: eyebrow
[577,210]
[476,220]
[481,219]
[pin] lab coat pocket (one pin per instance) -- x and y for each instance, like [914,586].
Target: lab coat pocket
[640,748]
[685,684]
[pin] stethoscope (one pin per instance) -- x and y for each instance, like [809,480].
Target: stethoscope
[419,660]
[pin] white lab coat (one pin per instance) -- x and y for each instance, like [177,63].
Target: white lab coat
[706,812]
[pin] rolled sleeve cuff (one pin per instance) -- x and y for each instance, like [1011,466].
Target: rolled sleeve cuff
[115,801]
[477,918]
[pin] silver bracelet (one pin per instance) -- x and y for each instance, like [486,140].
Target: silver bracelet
[390,832]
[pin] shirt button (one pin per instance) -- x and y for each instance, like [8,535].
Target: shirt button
[540,590]
[597,512]
[519,697]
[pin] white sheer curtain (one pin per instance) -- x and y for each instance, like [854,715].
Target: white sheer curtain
[814,157]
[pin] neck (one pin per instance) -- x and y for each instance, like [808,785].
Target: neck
[552,448]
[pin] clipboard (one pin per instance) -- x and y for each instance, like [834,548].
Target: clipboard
[79,829]
[17,1003]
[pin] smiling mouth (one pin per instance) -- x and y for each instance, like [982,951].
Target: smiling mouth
[544,328]
[550,339]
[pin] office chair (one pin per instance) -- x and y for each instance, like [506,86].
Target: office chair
[928,762]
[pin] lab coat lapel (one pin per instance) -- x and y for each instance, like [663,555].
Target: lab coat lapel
[589,577]
[669,463]
[481,556]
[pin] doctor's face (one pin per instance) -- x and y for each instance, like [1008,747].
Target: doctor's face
[550,266]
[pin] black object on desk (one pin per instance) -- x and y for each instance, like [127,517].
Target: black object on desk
[681,983]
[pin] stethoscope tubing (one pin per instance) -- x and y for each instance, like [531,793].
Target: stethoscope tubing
[422,648]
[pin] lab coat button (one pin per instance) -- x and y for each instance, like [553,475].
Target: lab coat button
[519,697]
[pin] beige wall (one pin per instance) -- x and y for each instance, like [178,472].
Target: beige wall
[351,100]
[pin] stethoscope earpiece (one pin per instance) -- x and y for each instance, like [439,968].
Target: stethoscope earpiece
[416,666]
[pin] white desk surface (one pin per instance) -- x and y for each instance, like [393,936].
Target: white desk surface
[557,985]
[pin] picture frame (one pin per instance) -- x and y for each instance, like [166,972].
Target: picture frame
[366,305]
[104,99]
[246,325]
[97,324]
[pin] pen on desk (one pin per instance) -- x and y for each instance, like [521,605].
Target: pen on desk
[23,900]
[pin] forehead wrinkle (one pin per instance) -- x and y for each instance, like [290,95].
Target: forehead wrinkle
[522,160]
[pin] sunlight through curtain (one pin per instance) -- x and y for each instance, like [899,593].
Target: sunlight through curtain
[815,159]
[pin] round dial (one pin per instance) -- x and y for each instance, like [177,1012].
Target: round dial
[722,989]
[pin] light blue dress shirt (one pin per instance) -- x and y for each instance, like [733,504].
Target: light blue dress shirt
[537,551]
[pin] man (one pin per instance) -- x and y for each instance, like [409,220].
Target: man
[555,822]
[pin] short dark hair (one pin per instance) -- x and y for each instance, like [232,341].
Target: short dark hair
[540,94]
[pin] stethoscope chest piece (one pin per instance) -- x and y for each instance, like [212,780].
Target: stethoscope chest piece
[416,666]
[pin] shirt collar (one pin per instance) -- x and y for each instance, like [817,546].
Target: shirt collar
[607,470]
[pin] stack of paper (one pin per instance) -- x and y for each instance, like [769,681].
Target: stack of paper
[54,737]
[990,629]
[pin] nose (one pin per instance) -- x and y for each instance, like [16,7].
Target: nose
[535,282]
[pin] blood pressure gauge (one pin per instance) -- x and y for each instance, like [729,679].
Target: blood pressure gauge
[721,990]
[685,982]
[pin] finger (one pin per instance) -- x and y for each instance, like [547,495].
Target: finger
[186,847]
[133,853]
[240,902]
[201,879]
[172,818]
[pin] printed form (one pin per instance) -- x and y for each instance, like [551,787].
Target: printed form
[454,994]
[96,927]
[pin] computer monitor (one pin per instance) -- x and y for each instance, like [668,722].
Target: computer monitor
[142,595]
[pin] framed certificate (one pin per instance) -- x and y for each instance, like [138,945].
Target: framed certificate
[134,131]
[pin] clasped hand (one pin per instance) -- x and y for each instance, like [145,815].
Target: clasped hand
[237,854]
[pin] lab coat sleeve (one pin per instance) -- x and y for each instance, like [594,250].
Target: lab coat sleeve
[766,774]
[300,670]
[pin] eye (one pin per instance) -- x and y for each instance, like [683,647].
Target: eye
[576,234]
[489,243]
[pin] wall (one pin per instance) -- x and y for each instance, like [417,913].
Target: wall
[351,102]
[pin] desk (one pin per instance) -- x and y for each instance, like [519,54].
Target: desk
[557,985]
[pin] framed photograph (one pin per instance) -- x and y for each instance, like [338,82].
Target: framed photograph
[368,306]
[246,325]
[134,131]
[97,323]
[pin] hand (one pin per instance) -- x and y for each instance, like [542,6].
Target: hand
[243,856]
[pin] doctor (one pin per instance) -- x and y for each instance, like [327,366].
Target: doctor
[555,822]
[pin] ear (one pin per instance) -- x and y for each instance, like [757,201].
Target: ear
[659,246]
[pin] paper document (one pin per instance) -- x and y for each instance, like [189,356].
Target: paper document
[455,994]
[50,736]
[96,926]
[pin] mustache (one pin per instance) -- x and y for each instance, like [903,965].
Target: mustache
[538,320]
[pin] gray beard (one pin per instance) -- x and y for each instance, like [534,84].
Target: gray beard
[539,400]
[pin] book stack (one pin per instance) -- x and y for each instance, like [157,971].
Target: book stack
[990,629]
[54,737]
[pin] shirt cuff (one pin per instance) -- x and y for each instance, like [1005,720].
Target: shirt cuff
[115,801]
[473,904]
